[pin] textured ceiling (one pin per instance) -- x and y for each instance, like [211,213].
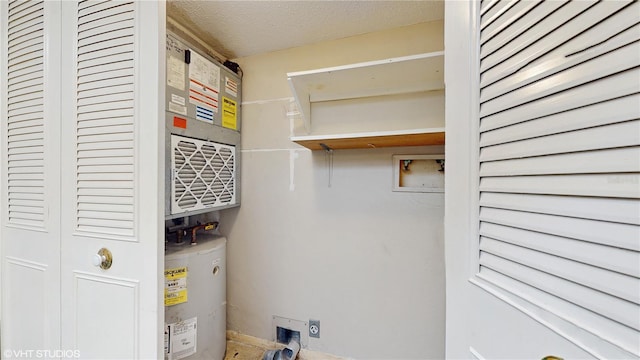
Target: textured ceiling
[242,28]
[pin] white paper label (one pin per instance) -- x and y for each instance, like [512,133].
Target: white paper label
[204,83]
[182,338]
[175,73]
[182,110]
[230,86]
[177,99]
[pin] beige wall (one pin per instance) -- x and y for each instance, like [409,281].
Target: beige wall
[365,261]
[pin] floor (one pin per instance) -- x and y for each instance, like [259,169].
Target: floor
[241,351]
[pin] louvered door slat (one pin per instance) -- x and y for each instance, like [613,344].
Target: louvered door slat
[23,34]
[18,157]
[100,14]
[104,130]
[602,137]
[549,14]
[28,11]
[20,75]
[116,50]
[118,89]
[602,70]
[611,307]
[107,201]
[122,59]
[23,95]
[541,85]
[32,38]
[540,42]
[103,115]
[26,59]
[105,112]
[25,109]
[87,206]
[24,121]
[89,49]
[486,5]
[623,185]
[580,251]
[19,6]
[123,17]
[116,160]
[605,161]
[112,29]
[16,81]
[604,113]
[603,280]
[27,84]
[575,228]
[96,125]
[93,4]
[612,87]
[113,168]
[30,91]
[109,152]
[559,162]
[18,28]
[26,48]
[122,97]
[624,211]
[495,12]
[118,189]
[105,83]
[516,22]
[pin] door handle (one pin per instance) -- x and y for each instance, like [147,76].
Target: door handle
[103,259]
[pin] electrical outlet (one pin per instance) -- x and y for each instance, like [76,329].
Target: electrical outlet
[314,328]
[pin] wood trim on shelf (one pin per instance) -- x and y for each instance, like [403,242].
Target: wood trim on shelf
[418,137]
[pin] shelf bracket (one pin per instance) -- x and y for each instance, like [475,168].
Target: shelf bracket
[329,157]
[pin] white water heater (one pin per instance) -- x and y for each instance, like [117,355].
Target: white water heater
[195,299]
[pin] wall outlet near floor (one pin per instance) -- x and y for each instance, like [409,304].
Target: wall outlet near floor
[314,328]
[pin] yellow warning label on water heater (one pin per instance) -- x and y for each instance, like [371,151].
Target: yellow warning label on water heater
[175,286]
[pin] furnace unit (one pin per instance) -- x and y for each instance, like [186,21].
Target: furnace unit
[202,134]
[202,140]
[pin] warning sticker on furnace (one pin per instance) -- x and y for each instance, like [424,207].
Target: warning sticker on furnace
[175,286]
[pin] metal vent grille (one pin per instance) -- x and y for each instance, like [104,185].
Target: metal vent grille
[25,114]
[203,175]
[105,117]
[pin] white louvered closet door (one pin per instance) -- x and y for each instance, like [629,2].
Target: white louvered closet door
[112,178]
[30,175]
[559,166]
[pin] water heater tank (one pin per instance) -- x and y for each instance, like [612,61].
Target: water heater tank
[195,299]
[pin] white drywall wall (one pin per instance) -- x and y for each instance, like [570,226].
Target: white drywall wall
[365,261]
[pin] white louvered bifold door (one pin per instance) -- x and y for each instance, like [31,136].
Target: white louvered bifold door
[105,115]
[111,189]
[30,191]
[560,160]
